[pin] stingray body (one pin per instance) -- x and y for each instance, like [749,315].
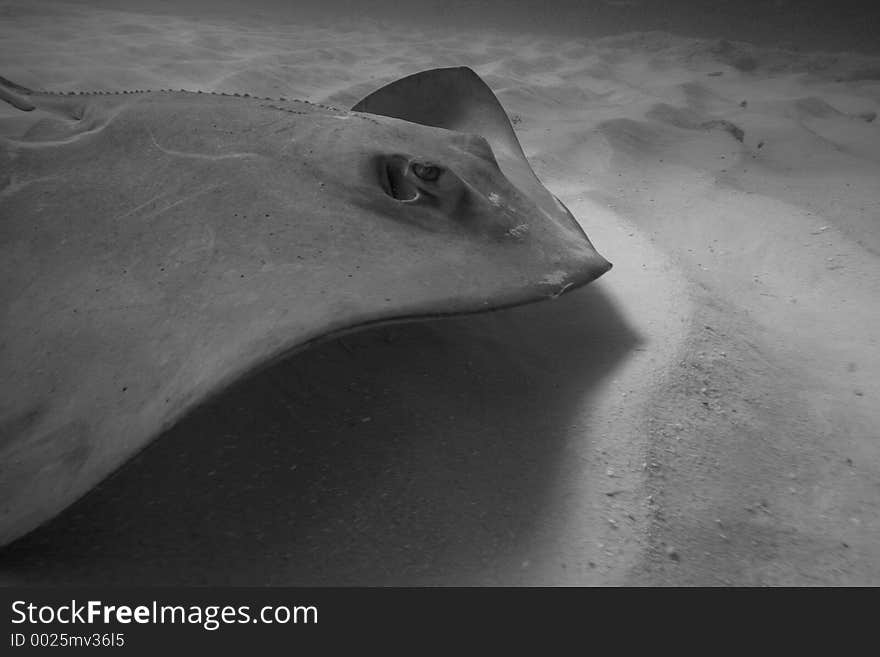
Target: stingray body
[156,246]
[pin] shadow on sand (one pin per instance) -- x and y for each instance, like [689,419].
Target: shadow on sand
[415,454]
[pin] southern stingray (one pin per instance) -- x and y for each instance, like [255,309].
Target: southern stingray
[158,245]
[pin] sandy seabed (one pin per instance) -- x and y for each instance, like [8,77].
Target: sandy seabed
[706,413]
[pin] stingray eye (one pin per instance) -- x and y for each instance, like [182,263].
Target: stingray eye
[427,172]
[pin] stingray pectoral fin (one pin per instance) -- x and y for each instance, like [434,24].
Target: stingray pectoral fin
[15,95]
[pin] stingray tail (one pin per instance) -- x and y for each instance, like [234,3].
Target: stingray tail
[15,95]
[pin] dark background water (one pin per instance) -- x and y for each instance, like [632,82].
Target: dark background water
[801,24]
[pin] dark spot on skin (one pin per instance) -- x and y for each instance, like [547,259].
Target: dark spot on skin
[18,424]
